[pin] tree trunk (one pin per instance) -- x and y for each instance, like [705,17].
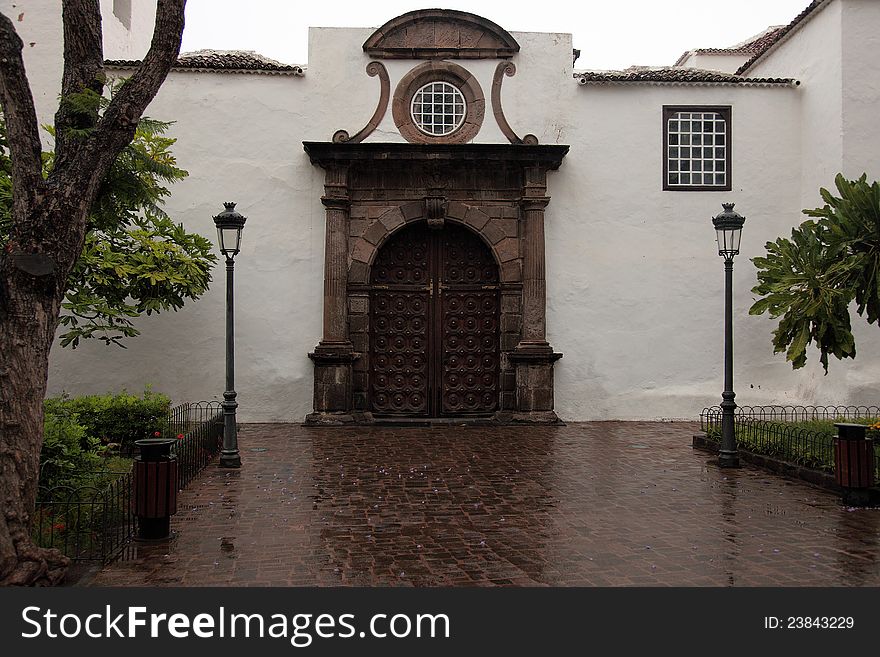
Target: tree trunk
[48,230]
[29,310]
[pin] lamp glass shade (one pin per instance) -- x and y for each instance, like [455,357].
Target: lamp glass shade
[728,240]
[230,239]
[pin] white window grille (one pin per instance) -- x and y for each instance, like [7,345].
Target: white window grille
[438,109]
[697,149]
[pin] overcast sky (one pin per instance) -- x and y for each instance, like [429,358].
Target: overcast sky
[610,33]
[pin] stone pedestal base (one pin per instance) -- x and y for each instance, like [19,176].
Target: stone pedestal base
[534,383]
[333,399]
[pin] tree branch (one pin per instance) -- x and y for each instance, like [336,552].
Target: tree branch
[117,126]
[83,70]
[21,119]
[96,153]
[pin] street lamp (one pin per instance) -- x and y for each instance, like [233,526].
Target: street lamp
[728,230]
[229,225]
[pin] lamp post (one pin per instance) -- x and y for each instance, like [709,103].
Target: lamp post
[728,230]
[229,225]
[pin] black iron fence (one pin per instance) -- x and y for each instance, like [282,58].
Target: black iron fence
[199,429]
[91,519]
[86,521]
[782,413]
[770,431]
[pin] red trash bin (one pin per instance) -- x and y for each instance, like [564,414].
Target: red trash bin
[854,462]
[155,487]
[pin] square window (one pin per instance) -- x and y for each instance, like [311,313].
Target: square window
[695,141]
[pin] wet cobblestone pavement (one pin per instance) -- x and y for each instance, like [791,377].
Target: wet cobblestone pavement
[589,504]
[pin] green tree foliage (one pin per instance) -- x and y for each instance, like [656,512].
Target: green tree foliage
[810,280]
[135,259]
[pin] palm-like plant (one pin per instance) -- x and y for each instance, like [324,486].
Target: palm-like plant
[810,280]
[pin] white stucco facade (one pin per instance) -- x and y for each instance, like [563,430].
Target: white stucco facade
[634,283]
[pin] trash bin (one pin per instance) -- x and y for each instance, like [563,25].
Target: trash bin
[854,462]
[155,487]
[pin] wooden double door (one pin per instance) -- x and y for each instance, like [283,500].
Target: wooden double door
[434,316]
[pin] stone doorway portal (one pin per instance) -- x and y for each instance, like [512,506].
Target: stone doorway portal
[434,325]
[489,196]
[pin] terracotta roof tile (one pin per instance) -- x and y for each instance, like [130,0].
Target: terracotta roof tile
[675,75]
[749,47]
[233,61]
[781,34]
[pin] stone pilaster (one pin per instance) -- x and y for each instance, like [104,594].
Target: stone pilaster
[334,355]
[533,356]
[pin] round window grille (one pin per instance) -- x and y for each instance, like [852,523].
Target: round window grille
[438,108]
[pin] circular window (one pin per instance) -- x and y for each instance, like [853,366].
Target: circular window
[438,103]
[438,108]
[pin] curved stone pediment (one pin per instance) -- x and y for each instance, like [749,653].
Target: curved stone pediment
[440,33]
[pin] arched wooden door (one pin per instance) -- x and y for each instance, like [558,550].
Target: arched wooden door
[434,334]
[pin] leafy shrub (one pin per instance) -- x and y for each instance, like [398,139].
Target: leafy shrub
[116,419]
[67,450]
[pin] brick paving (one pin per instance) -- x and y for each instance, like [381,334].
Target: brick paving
[588,504]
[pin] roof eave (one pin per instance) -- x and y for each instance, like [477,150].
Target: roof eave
[783,84]
[296,71]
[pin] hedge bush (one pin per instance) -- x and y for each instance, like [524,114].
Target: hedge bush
[68,450]
[115,419]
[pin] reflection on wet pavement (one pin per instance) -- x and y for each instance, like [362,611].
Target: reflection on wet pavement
[591,504]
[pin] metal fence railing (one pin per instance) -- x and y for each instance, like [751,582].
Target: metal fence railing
[771,431]
[785,413]
[94,521]
[86,522]
[201,426]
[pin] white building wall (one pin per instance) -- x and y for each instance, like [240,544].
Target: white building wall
[812,55]
[634,282]
[239,136]
[127,39]
[543,80]
[832,56]
[38,23]
[861,88]
[635,286]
